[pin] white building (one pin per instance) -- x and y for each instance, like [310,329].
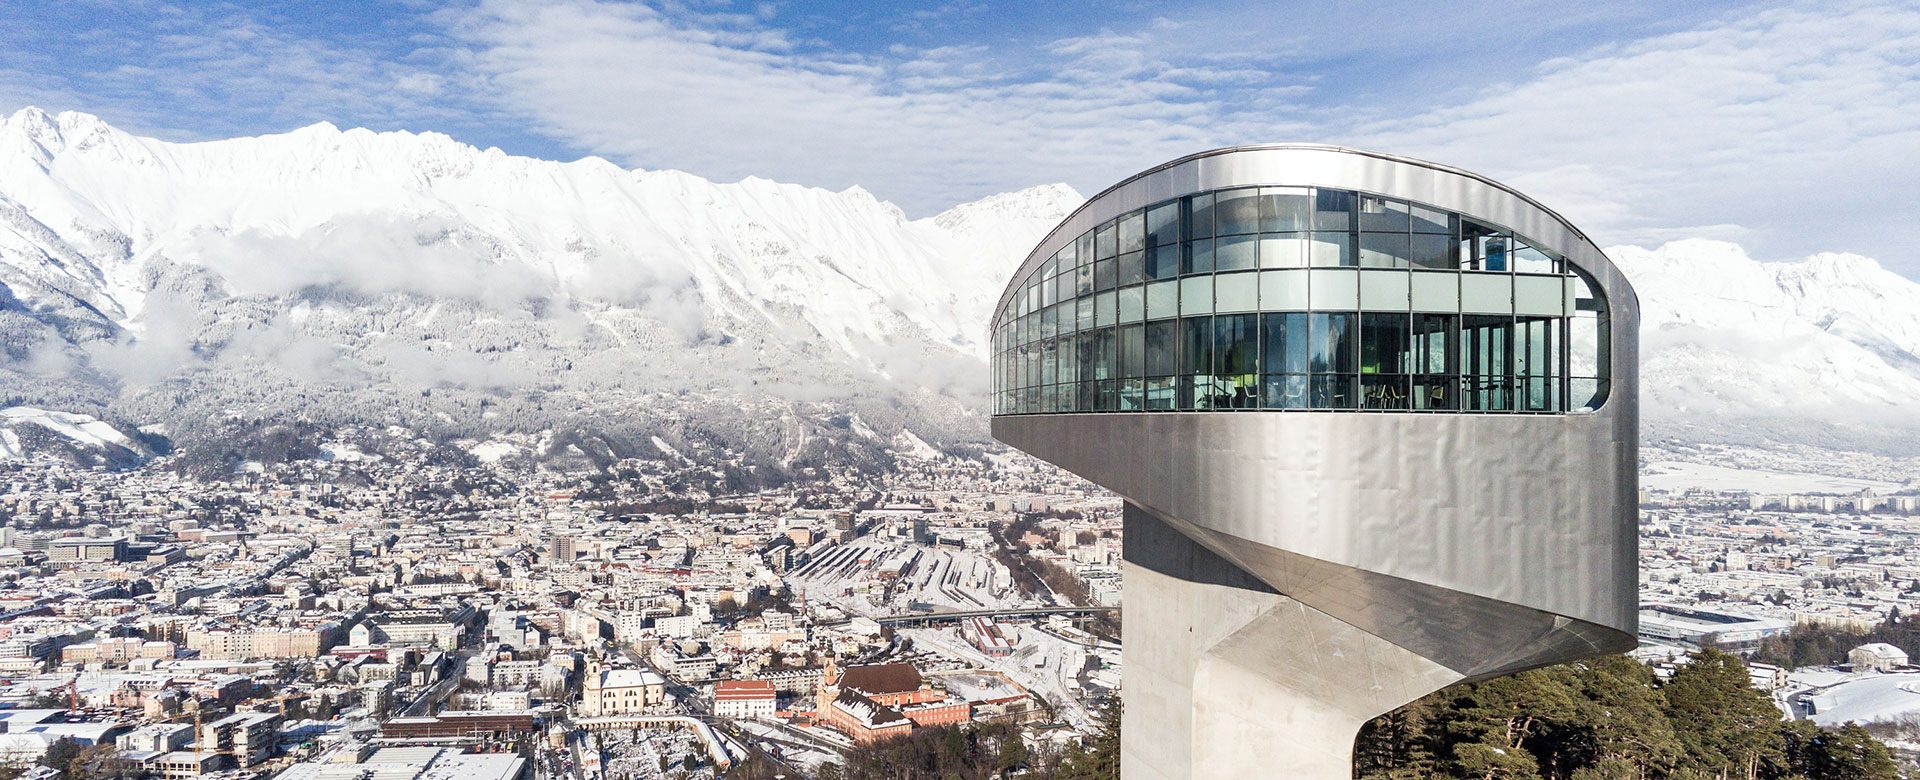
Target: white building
[744,699]
[1877,657]
[620,691]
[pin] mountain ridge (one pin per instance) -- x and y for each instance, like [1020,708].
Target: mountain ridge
[327,279]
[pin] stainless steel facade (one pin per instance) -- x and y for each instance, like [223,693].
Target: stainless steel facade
[1291,574]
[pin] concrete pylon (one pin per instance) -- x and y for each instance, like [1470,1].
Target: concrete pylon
[1234,675]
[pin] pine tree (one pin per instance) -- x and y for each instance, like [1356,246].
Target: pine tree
[1633,740]
[1728,728]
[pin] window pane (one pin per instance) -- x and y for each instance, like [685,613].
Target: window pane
[1083,280]
[1430,251]
[1383,344]
[1162,347]
[1436,292]
[1196,346]
[1104,311]
[1330,391]
[1196,296]
[1159,393]
[1192,392]
[1133,304]
[1236,212]
[1236,253]
[1200,216]
[1105,274]
[1283,290]
[1132,268]
[1285,209]
[1084,247]
[1334,289]
[1529,259]
[1493,253]
[1435,392]
[1106,241]
[1486,361]
[1047,268]
[1331,343]
[1382,214]
[1332,249]
[1285,250]
[1103,354]
[1384,250]
[1199,258]
[1332,210]
[1431,220]
[1049,293]
[1133,232]
[1537,347]
[1050,322]
[1069,256]
[1383,391]
[1163,299]
[1069,359]
[1163,224]
[1084,319]
[1539,295]
[1384,290]
[1486,293]
[1133,351]
[1284,343]
[1049,361]
[1163,262]
[1236,292]
[1285,391]
[1063,287]
[1236,345]
[1433,347]
[1086,356]
[1131,396]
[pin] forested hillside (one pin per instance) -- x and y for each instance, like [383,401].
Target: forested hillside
[1611,718]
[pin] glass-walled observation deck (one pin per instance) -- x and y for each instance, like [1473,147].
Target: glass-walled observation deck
[1299,298]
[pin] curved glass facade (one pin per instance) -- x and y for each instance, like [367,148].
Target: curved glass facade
[1300,298]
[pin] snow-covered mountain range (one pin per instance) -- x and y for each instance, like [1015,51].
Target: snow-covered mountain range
[258,298]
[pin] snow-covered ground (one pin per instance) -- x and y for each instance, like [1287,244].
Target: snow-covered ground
[1869,698]
[84,430]
[1670,475]
[1046,665]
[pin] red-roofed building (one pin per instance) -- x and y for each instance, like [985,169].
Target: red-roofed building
[884,700]
[744,699]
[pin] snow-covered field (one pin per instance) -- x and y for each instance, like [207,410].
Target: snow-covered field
[1868,699]
[1670,475]
[1046,665]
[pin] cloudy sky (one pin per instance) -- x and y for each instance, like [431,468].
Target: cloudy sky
[1789,128]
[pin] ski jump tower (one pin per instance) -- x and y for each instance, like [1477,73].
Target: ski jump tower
[1374,421]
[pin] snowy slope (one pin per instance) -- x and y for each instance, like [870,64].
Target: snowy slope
[265,293]
[391,267]
[1830,339]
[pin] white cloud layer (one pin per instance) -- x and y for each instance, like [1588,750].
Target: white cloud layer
[1786,129]
[1789,128]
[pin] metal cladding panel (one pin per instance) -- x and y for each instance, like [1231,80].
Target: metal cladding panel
[1521,509]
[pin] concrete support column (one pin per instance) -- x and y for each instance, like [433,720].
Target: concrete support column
[1225,677]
